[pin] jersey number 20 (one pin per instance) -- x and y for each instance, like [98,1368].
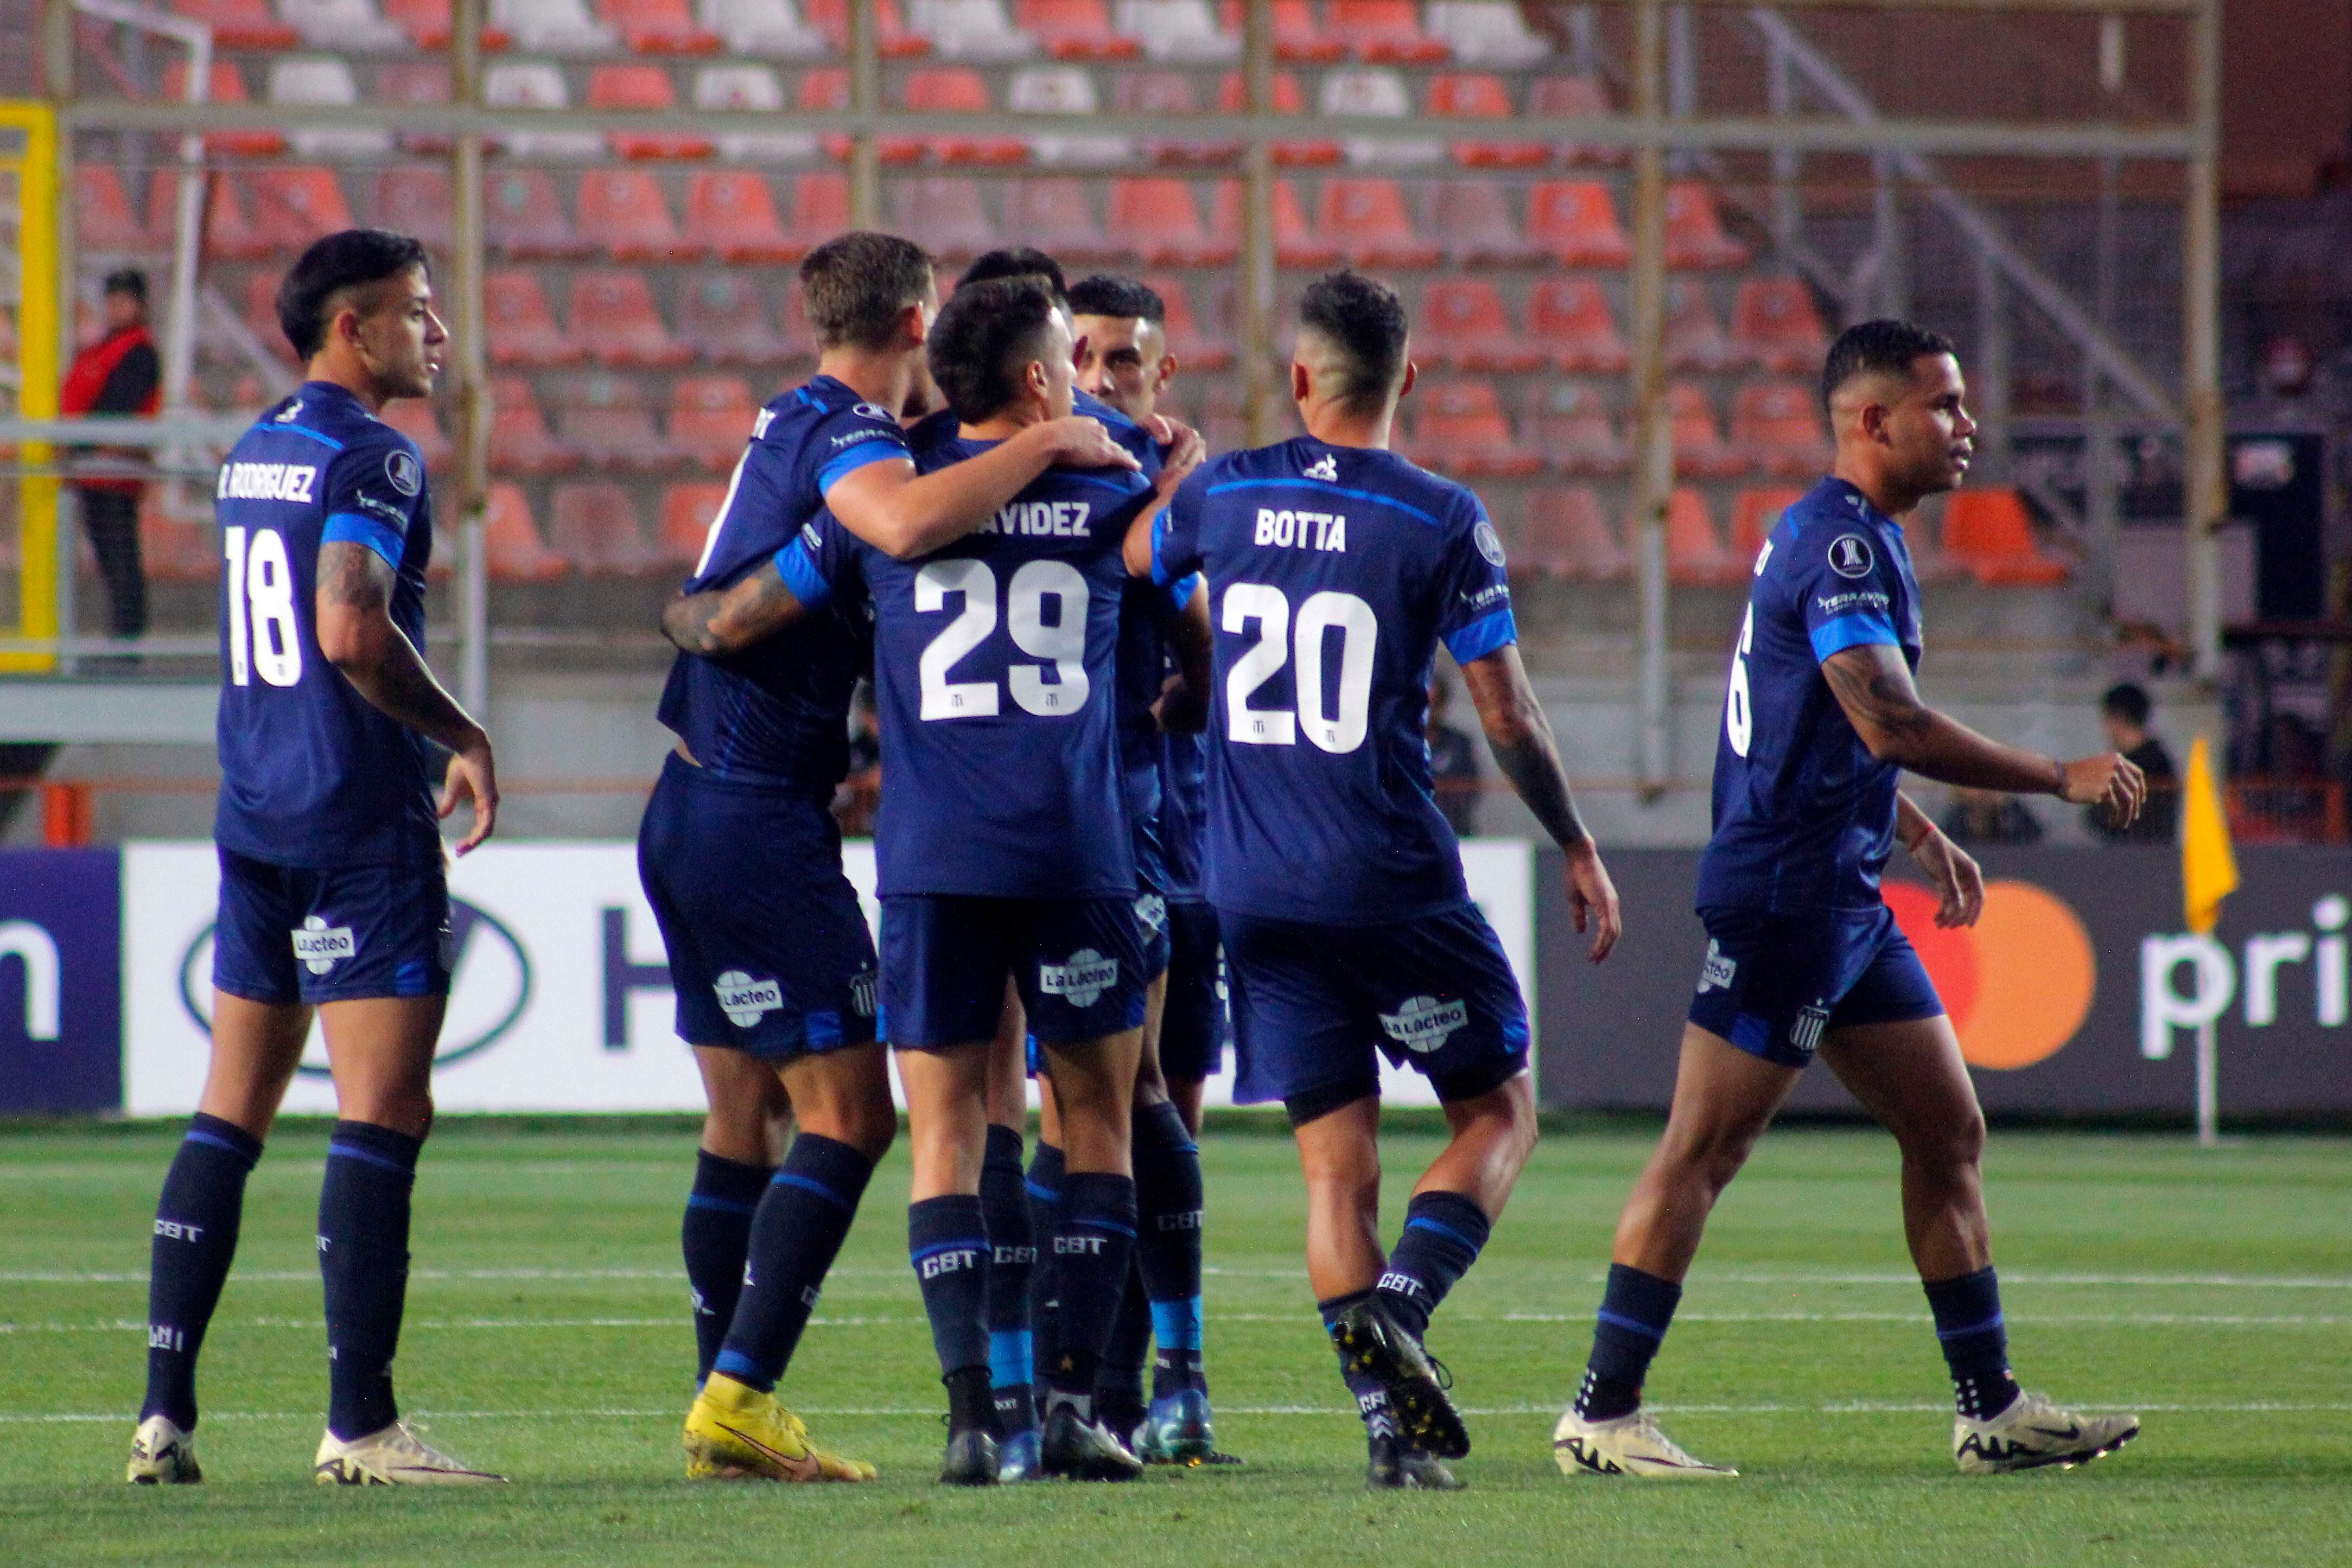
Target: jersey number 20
[261,597]
[1063,642]
[1328,611]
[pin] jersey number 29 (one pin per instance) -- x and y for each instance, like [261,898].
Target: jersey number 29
[261,597]
[1063,643]
[1328,611]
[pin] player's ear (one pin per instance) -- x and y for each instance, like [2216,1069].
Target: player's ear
[1411,374]
[915,325]
[1301,383]
[1167,372]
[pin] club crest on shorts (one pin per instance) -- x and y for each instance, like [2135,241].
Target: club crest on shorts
[1423,1024]
[321,946]
[1849,556]
[1082,980]
[745,1000]
[1805,1034]
[1719,971]
[1152,912]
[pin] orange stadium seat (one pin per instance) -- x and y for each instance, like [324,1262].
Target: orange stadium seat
[1368,218]
[892,38]
[732,215]
[1989,532]
[1695,553]
[1569,426]
[820,208]
[1576,222]
[1386,32]
[609,420]
[294,206]
[1774,321]
[416,419]
[260,316]
[1471,219]
[511,547]
[646,88]
[1694,338]
[524,218]
[421,83]
[1297,40]
[1459,428]
[1464,322]
[224,84]
[520,442]
[710,418]
[1779,426]
[800,337]
[229,231]
[623,211]
[1295,243]
[1169,95]
[722,318]
[1076,30]
[946,210]
[1479,95]
[614,320]
[659,28]
[1753,514]
[414,199]
[104,222]
[595,529]
[687,511]
[239,23]
[1700,451]
[825,91]
[1566,535]
[959,89]
[1193,350]
[521,329]
[1570,318]
[1233,97]
[1158,222]
[1695,235]
[1575,97]
[1056,216]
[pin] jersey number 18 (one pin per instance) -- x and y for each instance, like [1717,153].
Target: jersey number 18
[261,597]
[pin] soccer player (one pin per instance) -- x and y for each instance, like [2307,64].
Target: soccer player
[1335,568]
[1803,957]
[769,953]
[1004,848]
[334,898]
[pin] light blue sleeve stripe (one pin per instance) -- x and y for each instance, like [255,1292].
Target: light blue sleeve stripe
[356,527]
[1854,631]
[877,450]
[1496,629]
[801,575]
[1159,538]
[1180,593]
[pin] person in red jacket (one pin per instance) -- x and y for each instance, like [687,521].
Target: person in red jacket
[119,374]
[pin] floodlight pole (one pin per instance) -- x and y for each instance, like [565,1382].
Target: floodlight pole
[2205,498]
[1654,455]
[1260,396]
[866,99]
[469,327]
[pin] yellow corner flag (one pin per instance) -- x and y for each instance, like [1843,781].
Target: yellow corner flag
[2209,868]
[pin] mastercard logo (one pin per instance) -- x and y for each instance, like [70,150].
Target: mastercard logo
[2018,983]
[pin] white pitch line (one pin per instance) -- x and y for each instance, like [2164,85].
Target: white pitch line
[1699,1282]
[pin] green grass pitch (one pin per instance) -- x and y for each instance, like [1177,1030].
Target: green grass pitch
[547,1337]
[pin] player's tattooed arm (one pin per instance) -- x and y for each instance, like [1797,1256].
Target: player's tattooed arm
[905,515]
[1959,883]
[721,621]
[1872,684]
[1519,735]
[359,637]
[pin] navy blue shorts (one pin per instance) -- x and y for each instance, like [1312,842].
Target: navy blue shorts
[292,934]
[1774,984]
[1151,893]
[1192,1029]
[1077,963]
[1311,1004]
[769,952]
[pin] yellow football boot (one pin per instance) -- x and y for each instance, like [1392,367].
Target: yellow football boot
[736,1433]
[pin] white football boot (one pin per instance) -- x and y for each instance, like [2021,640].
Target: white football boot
[395,1456]
[163,1455]
[1629,1445]
[2032,1433]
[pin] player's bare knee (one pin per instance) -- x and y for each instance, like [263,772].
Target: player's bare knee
[1947,1149]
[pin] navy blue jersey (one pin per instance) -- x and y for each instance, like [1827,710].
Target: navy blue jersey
[994,660]
[1183,806]
[939,427]
[1804,815]
[778,712]
[313,773]
[1333,572]
[1143,660]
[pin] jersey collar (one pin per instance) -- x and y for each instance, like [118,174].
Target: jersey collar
[1845,493]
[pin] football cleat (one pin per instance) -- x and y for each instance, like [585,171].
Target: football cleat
[2033,1432]
[971,1461]
[734,1432]
[1016,1457]
[394,1456]
[1398,1466]
[163,1455]
[1629,1445]
[1373,1343]
[1083,1450]
[1176,1431]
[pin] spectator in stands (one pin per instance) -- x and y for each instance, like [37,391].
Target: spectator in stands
[2123,713]
[1989,817]
[860,792]
[1452,762]
[118,374]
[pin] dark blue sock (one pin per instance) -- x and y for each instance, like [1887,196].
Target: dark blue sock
[1635,1310]
[1443,1232]
[363,1261]
[1094,1246]
[1012,1258]
[1044,1188]
[947,1241]
[195,1238]
[716,1238]
[1975,1343]
[1168,1196]
[1119,1381]
[1371,1398]
[801,1221]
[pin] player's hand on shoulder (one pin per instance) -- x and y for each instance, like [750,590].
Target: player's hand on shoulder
[1185,453]
[1958,880]
[1182,710]
[1078,441]
[473,776]
[1592,898]
[2110,780]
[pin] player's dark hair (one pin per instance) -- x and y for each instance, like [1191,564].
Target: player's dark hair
[352,259]
[854,286]
[1364,320]
[1883,348]
[128,280]
[1115,294]
[2129,702]
[986,332]
[1017,261]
